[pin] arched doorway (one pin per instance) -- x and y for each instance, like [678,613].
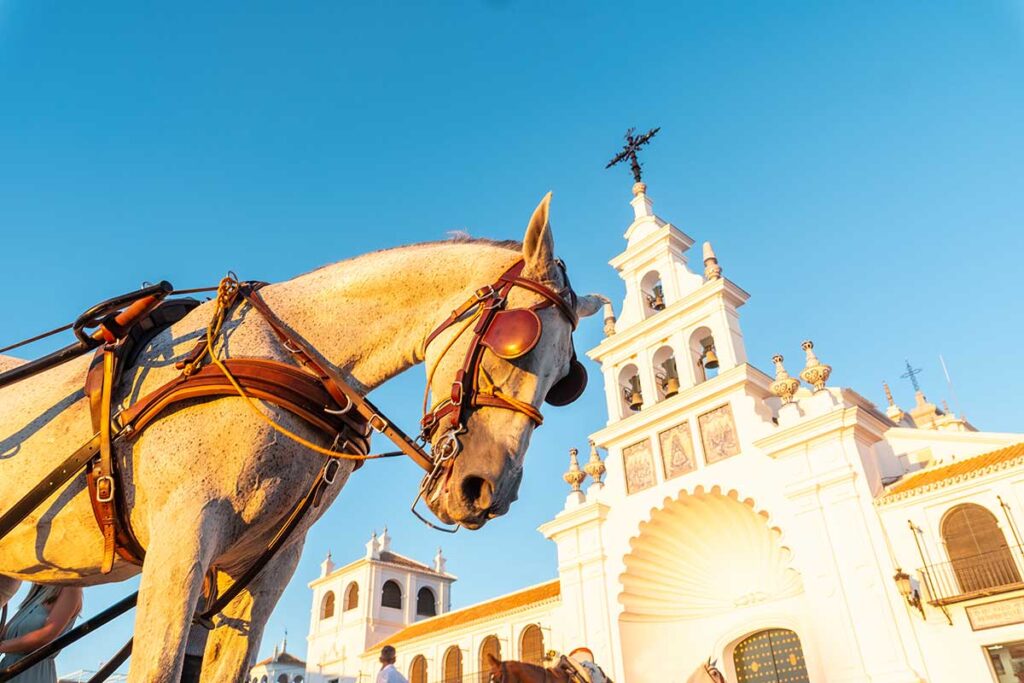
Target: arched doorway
[418,670]
[453,665]
[492,647]
[770,656]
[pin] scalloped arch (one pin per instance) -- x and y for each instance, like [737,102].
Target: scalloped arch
[705,553]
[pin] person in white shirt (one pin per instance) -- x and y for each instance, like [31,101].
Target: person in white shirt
[388,672]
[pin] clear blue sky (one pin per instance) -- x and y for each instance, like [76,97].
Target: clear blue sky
[858,167]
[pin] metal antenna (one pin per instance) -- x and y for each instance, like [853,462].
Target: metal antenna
[912,374]
[952,391]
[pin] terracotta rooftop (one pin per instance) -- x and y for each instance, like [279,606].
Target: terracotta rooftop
[953,472]
[403,561]
[282,658]
[483,610]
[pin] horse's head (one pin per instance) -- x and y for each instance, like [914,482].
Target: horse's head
[490,368]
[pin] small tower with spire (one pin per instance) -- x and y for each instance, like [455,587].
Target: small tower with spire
[676,328]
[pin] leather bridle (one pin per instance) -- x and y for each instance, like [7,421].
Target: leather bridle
[509,334]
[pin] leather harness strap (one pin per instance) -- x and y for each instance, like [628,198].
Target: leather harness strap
[343,392]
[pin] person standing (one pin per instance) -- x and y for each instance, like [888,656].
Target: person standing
[388,672]
[46,612]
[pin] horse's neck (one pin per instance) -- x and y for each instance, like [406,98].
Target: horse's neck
[370,315]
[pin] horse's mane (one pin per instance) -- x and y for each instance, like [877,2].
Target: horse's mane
[458,238]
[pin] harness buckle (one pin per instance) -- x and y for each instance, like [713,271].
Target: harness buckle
[104,489]
[457,393]
[377,423]
[485,292]
[331,470]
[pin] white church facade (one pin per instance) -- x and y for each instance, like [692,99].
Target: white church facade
[790,530]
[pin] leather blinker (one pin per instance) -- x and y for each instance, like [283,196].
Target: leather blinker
[512,333]
[570,387]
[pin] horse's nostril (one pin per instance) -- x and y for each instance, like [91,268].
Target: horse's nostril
[478,492]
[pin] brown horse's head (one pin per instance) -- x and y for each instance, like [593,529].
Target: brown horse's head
[524,356]
[521,672]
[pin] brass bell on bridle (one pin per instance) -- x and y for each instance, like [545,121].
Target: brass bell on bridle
[632,393]
[670,380]
[710,358]
[657,299]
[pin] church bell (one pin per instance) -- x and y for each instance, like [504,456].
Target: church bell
[657,300]
[632,393]
[670,380]
[710,358]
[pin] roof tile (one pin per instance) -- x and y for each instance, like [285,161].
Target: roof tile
[932,478]
[505,603]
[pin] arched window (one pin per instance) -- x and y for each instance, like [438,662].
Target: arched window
[298,679]
[327,606]
[653,293]
[531,645]
[490,646]
[631,398]
[704,354]
[391,595]
[351,596]
[666,372]
[453,665]
[418,670]
[426,604]
[977,549]
[283,678]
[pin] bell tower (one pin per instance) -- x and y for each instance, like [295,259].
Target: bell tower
[677,328]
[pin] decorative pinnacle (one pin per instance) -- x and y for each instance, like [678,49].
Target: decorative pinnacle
[888,394]
[594,467]
[712,271]
[609,318]
[815,372]
[784,386]
[575,476]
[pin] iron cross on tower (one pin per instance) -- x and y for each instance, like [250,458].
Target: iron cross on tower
[912,374]
[633,145]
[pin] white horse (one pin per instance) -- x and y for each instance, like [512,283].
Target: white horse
[209,482]
[707,672]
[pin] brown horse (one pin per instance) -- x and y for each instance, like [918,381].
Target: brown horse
[521,672]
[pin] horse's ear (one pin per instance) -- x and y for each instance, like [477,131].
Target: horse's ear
[494,662]
[589,304]
[539,245]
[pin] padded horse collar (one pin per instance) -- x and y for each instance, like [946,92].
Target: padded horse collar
[509,334]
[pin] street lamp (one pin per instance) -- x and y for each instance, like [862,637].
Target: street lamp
[907,590]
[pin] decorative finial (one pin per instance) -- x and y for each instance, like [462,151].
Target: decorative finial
[784,386]
[712,271]
[945,407]
[888,394]
[815,372]
[595,467]
[575,476]
[633,145]
[609,317]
